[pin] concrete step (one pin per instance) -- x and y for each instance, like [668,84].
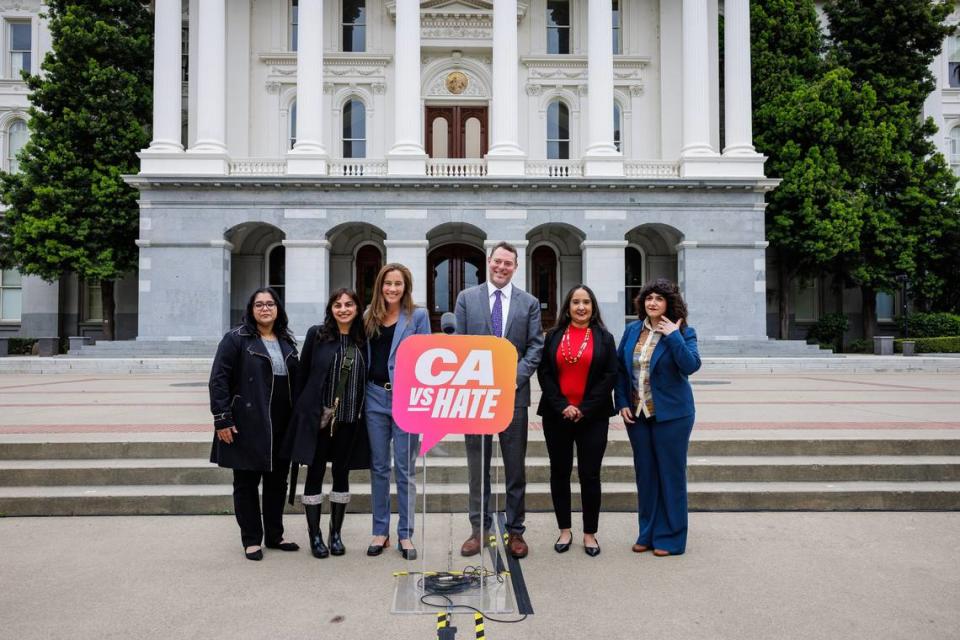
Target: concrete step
[197,446]
[618,496]
[163,471]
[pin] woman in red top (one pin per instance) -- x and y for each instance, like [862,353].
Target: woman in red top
[577,374]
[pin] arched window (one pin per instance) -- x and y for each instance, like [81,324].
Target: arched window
[16,137]
[354,129]
[558,131]
[293,123]
[617,126]
[955,146]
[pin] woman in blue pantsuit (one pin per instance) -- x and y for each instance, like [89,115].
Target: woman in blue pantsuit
[391,317]
[654,397]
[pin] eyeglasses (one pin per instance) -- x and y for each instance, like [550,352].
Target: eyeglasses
[264,305]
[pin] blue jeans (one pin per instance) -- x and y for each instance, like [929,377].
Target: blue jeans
[406,446]
[660,463]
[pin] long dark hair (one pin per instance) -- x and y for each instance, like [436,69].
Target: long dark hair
[330,330]
[281,326]
[676,307]
[564,319]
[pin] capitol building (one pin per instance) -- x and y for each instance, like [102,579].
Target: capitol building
[303,143]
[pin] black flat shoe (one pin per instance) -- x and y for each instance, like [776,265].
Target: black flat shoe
[285,546]
[254,555]
[593,552]
[561,547]
[408,554]
[377,549]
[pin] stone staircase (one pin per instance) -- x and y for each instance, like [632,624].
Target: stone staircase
[761,349]
[115,474]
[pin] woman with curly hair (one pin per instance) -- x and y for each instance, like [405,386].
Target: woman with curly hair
[655,400]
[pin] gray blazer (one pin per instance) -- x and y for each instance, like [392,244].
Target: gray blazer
[522,329]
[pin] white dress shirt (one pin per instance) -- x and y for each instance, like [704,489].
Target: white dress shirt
[507,292]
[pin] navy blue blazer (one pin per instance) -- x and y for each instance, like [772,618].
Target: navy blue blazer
[675,358]
[418,323]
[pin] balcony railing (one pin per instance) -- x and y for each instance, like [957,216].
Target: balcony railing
[651,169]
[358,167]
[456,168]
[258,167]
[554,168]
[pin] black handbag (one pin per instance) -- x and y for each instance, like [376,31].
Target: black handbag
[328,416]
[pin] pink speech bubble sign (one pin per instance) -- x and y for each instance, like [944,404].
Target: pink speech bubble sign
[454,384]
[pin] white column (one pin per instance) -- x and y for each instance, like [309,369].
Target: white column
[209,152]
[601,157]
[412,254]
[166,77]
[738,128]
[505,157]
[308,282]
[520,275]
[603,272]
[309,156]
[407,156]
[696,80]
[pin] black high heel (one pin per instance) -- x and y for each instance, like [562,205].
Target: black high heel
[408,554]
[377,549]
[562,547]
[593,552]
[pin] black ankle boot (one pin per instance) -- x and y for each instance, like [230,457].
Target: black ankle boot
[337,511]
[317,547]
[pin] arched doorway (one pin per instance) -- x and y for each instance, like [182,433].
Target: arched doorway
[451,269]
[543,278]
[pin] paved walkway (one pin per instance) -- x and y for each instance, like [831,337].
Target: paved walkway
[769,401]
[762,576]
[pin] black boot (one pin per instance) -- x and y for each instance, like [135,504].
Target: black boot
[337,511]
[317,547]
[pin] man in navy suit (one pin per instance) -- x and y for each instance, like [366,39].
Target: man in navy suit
[498,308]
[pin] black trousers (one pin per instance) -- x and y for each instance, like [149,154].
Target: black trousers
[335,450]
[254,522]
[513,449]
[590,439]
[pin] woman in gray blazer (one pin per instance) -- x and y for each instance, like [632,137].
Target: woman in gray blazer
[391,317]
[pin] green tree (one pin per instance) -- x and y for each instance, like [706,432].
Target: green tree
[803,115]
[912,210]
[69,210]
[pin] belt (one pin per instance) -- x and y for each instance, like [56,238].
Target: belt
[386,385]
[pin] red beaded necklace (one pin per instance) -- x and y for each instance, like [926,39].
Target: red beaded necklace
[565,349]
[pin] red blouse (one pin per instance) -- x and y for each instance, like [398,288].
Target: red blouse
[573,376]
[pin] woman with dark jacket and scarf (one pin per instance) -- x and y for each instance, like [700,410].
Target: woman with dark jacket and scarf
[577,374]
[251,394]
[334,373]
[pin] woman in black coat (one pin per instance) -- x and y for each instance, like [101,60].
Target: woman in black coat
[334,373]
[251,394]
[577,374]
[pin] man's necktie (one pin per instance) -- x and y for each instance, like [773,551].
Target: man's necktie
[496,316]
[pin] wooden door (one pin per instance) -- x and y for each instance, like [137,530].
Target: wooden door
[543,265]
[451,269]
[456,132]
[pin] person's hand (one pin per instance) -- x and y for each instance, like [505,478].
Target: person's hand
[572,413]
[627,415]
[667,326]
[226,434]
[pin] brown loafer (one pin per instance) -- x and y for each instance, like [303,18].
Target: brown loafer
[661,553]
[517,546]
[471,546]
[640,548]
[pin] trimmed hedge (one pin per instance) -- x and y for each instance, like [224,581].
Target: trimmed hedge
[21,346]
[948,344]
[933,325]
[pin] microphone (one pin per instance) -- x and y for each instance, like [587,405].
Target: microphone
[448,323]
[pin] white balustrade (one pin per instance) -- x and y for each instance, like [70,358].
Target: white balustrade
[554,168]
[651,169]
[258,167]
[358,167]
[456,168]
